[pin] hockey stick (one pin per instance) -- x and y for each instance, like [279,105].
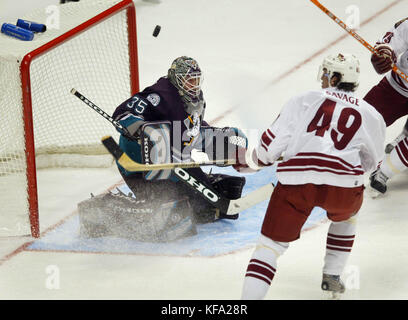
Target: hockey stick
[357,37]
[226,206]
[261,194]
[132,166]
[90,104]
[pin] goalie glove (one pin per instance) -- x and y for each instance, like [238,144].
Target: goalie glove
[223,143]
[383,61]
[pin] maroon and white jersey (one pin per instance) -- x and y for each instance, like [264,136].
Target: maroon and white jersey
[327,136]
[397,38]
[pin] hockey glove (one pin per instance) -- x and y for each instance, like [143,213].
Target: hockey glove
[246,161]
[382,63]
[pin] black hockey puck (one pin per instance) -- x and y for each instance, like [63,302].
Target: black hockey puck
[156,31]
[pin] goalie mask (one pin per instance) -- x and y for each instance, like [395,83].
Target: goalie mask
[185,75]
[347,65]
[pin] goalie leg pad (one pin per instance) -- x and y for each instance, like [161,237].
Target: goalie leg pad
[125,217]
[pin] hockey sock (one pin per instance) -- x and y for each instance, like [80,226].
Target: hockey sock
[261,268]
[397,160]
[340,239]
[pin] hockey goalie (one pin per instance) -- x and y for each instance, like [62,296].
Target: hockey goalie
[164,124]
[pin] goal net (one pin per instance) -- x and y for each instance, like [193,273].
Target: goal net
[88,45]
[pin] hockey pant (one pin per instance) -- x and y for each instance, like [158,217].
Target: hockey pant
[287,212]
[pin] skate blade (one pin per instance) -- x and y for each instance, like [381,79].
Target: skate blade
[389,148]
[373,194]
[330,295]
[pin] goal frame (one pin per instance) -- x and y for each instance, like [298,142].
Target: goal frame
[31,174]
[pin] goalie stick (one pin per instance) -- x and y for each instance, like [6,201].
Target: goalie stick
[357,37]
[126,162]
[94,107]
[226,206]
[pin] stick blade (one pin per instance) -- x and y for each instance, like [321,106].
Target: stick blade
[251,199]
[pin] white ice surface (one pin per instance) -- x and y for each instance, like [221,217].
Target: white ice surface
[247,50]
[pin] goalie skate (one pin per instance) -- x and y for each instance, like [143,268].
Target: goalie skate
[333,286]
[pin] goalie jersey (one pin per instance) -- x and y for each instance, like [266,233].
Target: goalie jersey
[159,102]
[326,137]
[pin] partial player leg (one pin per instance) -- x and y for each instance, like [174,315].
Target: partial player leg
[119,215]
[151,190]
[166,190]
[342,206]
[393,163]
[404,134]
[340,239]
[388,102]
[391,105]
[285,216]
[261,268]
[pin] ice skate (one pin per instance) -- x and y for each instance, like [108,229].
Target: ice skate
[390,146]
[378,181]
[333,286]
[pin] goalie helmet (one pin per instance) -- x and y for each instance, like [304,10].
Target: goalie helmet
[185,75]
[347,65]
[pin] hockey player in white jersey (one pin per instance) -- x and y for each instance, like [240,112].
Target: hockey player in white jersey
[328,139]
[390,98]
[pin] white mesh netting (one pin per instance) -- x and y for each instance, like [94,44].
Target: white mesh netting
[66,131]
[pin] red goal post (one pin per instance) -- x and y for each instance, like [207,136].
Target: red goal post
[100,53]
